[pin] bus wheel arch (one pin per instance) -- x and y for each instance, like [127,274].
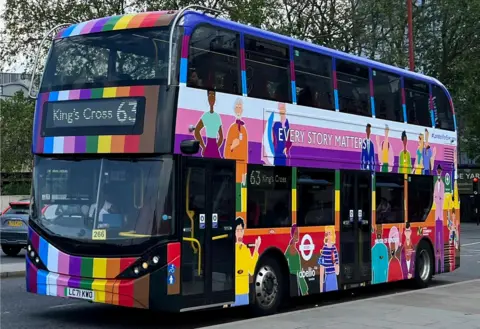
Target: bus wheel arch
[271,269]
[424,263]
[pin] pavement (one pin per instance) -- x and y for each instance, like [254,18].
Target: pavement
[12,266]
[450,306]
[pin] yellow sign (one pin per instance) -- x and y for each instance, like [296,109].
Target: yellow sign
[99,234]
[15,223]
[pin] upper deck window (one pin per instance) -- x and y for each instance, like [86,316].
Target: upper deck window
[267,70]
[416,98]
[117,58]
[213,60]
[353,88]
[388,98]
[443,110]
[313,78]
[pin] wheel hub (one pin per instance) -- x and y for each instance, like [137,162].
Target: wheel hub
[266,286]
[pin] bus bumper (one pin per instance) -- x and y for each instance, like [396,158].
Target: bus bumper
[128,293]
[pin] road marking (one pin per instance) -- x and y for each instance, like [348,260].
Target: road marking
[64,305]
[469,244]
[236,323]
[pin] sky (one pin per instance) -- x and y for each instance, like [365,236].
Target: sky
[16,68]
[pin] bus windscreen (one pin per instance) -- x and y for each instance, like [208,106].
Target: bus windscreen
[108,59]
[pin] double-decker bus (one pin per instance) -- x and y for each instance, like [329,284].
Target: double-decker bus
[184,161]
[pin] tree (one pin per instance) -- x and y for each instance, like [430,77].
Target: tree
[16,122]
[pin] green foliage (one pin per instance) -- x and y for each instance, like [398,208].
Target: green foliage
[16,122]
[446,34]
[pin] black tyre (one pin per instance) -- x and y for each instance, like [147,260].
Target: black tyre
[424,265]
[11,250]
[269,285]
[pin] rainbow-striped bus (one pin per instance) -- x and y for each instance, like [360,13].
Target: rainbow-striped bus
[184,161]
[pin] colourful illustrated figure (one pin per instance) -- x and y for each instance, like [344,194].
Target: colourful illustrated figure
[453,237]
[408,254]
[379,258]
[428,155]
[281,137]
[212,123]
[394,267]
[438,198]
[244,263]
[418,167]
[295,262]
[368,152]
[236,146]
[404,160]
[385,152]
[329,262]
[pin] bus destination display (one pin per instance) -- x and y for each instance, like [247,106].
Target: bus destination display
[112,112]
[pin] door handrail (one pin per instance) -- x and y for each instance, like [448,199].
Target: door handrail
[190,213]
[172,29]
[193,240]
[219,237]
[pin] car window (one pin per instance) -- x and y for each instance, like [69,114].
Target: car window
[18,210]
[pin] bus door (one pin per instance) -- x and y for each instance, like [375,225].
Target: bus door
[208,246]
[355,228]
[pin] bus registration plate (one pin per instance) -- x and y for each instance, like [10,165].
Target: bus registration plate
[80,293]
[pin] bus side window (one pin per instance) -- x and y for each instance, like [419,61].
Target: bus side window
[416,99]
[268,65]
[353,88]
[443,111]
[313,79]
[389,194]
[420,197]
[388,98]
[213,60]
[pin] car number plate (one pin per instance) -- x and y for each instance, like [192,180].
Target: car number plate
[15,223]
[80,293]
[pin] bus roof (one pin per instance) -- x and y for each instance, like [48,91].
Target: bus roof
[164,18]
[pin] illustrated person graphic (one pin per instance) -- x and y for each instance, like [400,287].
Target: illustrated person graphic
[404,161]
[212,123]
[418,167]
[244,263]
[453,237]
[385,152]
[394,267]
[280,137]
[408,254]
[379,258]
[428,155]
[328,262]
[295,262]
[236,146]
[368,152]
[438,198]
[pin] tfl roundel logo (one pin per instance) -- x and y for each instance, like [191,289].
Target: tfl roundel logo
[307,247]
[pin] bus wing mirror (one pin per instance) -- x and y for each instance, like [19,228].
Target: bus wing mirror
[189,146]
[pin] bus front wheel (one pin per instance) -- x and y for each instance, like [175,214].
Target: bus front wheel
[269,290]
[424,265]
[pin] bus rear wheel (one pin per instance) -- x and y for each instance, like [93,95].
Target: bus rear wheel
[423,265]
[269,289]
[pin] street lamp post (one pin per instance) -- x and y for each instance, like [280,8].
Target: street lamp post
[410,35]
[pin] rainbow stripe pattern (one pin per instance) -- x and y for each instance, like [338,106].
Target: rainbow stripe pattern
[404,104]
[372,92]
[120,22]
[102,143]
[292,76]
[294,195]
[59,262]
[97,274]
[184,57]
[243,64]
[335,84]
